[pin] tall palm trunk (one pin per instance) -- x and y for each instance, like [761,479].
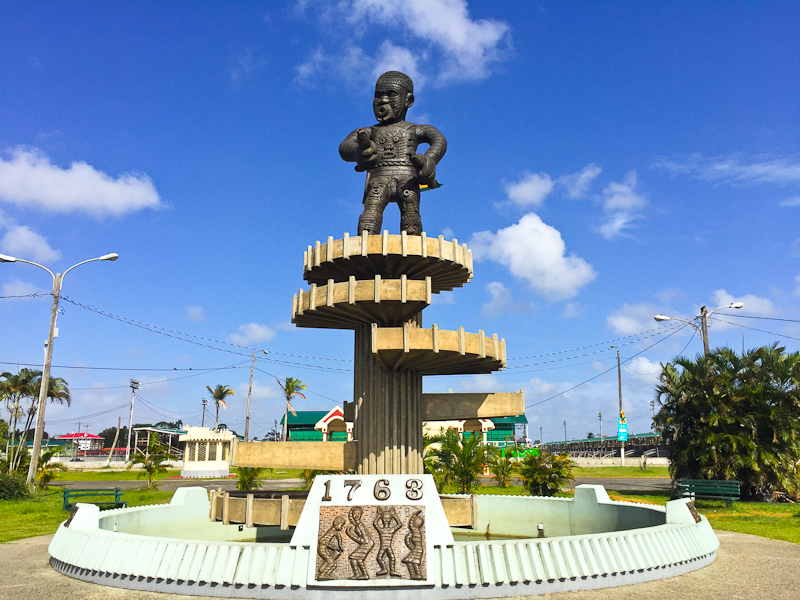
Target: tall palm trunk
[15,413]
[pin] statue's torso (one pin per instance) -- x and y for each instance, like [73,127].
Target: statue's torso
[395,144]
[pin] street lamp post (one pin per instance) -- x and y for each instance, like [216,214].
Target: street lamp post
[58,279]
[702,329]
[249,392]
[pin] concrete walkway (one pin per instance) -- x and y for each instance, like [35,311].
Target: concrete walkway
[747,567]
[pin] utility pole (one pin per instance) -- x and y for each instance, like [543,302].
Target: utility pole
[619,382]
[203,421]
[600,418]
[249,393]
[114,445]
[134,387]
[704,325]
[565,433]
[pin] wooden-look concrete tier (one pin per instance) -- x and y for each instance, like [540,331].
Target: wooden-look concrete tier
[448,264]
[387,302]
[435,351]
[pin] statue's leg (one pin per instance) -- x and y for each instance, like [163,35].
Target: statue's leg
[375,200]
[410,219]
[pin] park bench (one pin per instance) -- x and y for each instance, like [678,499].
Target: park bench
[710,489]
[73,496]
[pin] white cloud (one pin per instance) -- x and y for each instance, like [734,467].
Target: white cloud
[531,190]
[21,241]
[622,205]
[572,310]
[464,48]
[251,333]
[737,169]
[792,202]
[195,313]
[633,318]
[443,298]
[397,58]
[578,183]
[752,303]
[502,302]
[534,251]
[261,391]
[17,287]
[643,373]
[29,179]
[245,64]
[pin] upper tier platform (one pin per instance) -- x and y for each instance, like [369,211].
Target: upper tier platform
[448,264]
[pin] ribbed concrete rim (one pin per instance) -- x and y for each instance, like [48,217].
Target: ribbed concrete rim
[474,569]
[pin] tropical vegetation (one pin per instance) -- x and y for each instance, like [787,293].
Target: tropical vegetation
[46,471]
[733,416]
[544,473]
[503,465]
[291,388]
[249,478]
[456,460]
[219,394]
[152,461]
[15,389]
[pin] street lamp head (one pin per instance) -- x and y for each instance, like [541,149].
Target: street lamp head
[661,318]
[112,256]
[6,258]
[737,305]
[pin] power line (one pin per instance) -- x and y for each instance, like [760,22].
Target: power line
[762,318]
[760,330]
[657,329]
[694,332]
[34,295]
[165,331]
[604,372]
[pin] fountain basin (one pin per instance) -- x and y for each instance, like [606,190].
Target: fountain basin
[592,542]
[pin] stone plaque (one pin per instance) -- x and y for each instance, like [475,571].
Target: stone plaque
[371,542]
[372,530]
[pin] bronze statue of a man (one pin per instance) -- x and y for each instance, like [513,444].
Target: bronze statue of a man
[388,153]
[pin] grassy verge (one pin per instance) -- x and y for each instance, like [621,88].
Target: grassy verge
[42,513]
[606,472]
[103,475]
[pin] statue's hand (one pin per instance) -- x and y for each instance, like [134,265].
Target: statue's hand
[425,166]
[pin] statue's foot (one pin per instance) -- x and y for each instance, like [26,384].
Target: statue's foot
[395,574]
[383,572]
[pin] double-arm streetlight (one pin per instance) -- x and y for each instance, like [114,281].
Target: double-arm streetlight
[702,329]
[58,279]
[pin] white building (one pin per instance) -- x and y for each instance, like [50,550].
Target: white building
[206,453]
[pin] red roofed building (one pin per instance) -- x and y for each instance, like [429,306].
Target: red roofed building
[85,441]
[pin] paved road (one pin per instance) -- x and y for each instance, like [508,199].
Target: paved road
[747,567]
[659,485]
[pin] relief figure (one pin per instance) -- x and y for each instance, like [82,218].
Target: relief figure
[359,534]
[330,547]
[387,524]
[415,544]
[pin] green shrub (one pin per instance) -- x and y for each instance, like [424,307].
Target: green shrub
[546,474]
[248,478]
[12,486]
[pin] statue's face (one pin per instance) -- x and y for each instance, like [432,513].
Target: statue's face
[391,102]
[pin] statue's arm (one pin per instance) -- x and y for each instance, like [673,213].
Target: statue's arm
[428,134]
[426,164]
[348,149]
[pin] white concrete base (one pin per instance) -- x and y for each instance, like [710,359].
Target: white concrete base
[614,462]
[205,473]
[174,548]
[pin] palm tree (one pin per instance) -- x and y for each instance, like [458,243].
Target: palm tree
[57,391]
[152,460]
[502,465]
[457,460]
[46,470]
[13,389]
[219,394]
[545,474]
[294,387]
[249,478]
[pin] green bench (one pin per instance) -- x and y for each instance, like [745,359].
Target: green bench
[73,496]
[710,489]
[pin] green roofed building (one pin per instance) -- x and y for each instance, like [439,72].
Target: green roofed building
[321,426]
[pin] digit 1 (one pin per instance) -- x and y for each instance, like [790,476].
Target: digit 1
[327,496]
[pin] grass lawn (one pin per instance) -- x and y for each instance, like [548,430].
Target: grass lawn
[620,472]
[42,513]
[108,475]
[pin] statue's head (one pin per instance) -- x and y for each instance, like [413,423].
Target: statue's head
[355,514]
[339,523]
[394,95]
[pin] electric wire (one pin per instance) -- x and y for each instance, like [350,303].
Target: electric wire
[604,372]
[760,330]
[694,333]
[167,332]
[738,316]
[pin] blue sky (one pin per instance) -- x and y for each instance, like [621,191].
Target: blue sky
[606,162]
